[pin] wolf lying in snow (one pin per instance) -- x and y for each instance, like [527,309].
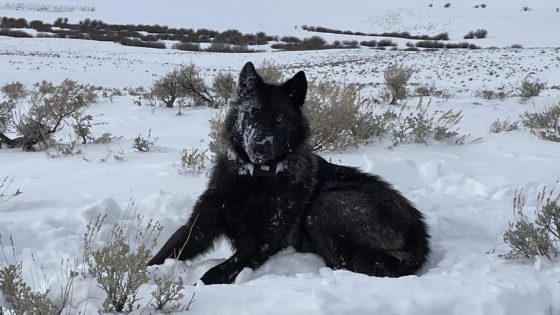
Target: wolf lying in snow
[270,191]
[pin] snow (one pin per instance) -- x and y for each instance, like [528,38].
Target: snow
[465,191]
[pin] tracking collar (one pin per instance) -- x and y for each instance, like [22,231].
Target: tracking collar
[264,170]
[269,169]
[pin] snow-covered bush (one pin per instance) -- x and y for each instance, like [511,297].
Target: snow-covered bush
[50,108]
[338,116]
[530,87]
[488,94]
[167,296]
[192,83]
[144,144]
[6,109]
[167,89]
[20,297]
[499,126]
[269,71]
[419,125]
[119,265]
[396,78]
[181,83]
[223,87]
[425,90]
[14,90]
[192,161]
[535,236]
[217,144]
[544,124]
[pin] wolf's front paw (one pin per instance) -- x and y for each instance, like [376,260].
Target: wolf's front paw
[156,260]
[218,276]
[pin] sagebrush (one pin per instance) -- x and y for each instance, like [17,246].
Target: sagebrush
[50,108]
[192,161]
[419,125]
[530,87]
[14,90]
[498,125]
[337,116]
[21,298]
[144,144]
[396,79]
[269,71]
[544,124]
[119,265]
[223,87]
[537,234]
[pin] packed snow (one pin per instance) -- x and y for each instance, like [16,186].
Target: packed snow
[465,191]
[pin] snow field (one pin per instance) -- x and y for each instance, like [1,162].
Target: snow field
[464,191]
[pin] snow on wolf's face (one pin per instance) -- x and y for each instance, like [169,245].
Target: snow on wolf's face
[266,123]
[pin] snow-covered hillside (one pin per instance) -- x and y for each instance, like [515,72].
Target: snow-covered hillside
[531,23]
[465,191]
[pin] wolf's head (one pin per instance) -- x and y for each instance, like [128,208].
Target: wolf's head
[266,124]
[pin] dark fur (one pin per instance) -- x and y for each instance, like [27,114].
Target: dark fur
[353,220]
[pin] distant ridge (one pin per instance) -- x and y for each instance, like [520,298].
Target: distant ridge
[42,7]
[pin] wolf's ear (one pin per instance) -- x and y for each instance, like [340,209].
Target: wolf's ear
[296,88]
[249,80]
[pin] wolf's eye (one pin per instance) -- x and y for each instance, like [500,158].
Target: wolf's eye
[251,115]
[279,118]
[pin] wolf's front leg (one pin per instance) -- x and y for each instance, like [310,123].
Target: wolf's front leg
[248,256]
[198,234]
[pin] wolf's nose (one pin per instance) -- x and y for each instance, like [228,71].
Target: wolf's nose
[262,149]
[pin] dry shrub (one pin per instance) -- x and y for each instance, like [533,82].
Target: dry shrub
[544,124]
[419,125]
[44,87]
[187,46]
[270,72]
[499,126]
[20,297]
[230,48]
[119,265]
[539,236]
[336,115]
[144,144]
[106,138]
[14,90]
[6,110]
[193,85]
[396,78]
[223,87]
[530,87]
[51,107]
[218,138]
[167,295]
[167,89]
[192,162]
[490,94]
[183,82]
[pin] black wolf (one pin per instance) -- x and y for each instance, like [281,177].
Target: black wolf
[270,191]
